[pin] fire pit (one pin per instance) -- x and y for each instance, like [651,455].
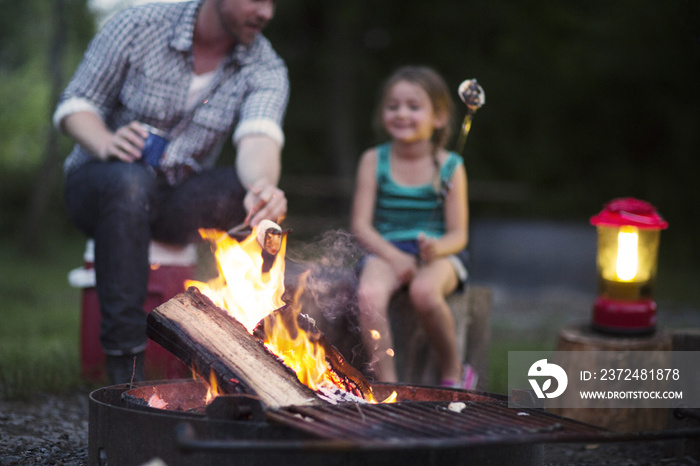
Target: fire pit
[282,393]
[425,426]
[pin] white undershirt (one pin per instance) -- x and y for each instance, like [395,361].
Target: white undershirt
[198,85]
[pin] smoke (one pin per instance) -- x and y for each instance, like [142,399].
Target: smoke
[330,292]
[332,281]
[334,249]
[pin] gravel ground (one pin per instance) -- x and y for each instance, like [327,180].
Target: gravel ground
[53,430]
[666,453]
[46,430]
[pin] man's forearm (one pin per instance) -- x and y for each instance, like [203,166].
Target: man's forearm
[258,165]
[88,130]
[258,161]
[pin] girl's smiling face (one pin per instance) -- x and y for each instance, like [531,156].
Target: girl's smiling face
[407,113]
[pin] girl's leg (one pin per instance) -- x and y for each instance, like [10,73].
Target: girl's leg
[427,291]
[377,285]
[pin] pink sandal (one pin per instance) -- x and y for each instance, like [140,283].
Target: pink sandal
[469,379]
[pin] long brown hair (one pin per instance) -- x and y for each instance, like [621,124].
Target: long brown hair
[436,88]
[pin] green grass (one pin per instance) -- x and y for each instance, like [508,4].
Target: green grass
[503,341]
[40,319]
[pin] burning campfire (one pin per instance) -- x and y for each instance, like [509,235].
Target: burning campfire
[250,289]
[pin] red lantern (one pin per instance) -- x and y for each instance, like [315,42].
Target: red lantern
[628,245]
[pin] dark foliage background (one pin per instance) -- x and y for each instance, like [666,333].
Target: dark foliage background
[586,100]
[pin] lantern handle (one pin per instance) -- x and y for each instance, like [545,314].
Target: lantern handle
[637,218]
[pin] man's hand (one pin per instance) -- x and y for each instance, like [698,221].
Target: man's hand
[126,143]
[258,165]
[88,130]
[265,201]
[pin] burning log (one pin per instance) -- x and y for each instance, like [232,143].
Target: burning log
[211,341]
[218,337]
[291,321]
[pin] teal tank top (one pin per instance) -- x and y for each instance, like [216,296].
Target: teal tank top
[401,213]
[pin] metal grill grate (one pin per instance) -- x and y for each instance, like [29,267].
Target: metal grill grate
[430,422]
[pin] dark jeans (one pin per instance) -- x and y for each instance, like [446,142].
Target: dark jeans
[122,206]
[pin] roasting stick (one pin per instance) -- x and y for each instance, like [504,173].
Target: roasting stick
[474,97]
[245,224]
[464,131]
[239,227]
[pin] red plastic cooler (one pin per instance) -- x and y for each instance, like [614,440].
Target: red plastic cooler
[170,267]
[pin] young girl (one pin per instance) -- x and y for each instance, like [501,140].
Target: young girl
[410,212]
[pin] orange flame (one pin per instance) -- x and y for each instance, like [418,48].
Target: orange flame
[242,288]
[249,295]
[213,389]
[298,349]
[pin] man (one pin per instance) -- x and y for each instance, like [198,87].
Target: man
[199,71]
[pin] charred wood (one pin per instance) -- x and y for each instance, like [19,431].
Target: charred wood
[208,339]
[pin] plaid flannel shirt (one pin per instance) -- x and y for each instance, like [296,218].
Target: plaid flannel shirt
[139,67]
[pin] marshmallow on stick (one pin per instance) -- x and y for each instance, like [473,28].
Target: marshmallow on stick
[472,94]
[269,236]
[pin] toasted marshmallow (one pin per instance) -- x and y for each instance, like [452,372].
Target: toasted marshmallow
[472,94]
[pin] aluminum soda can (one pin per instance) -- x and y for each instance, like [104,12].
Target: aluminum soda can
[156,142]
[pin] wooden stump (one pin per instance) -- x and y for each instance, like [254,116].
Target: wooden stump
[416,362]
[687,339]
[583,338]
[479,332]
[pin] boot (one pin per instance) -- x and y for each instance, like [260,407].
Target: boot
[125,369]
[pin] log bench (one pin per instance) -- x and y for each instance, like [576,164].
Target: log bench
[583,338]
[333,306]
[416,362]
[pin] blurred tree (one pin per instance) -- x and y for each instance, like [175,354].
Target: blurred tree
[35,219]
[42,39]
